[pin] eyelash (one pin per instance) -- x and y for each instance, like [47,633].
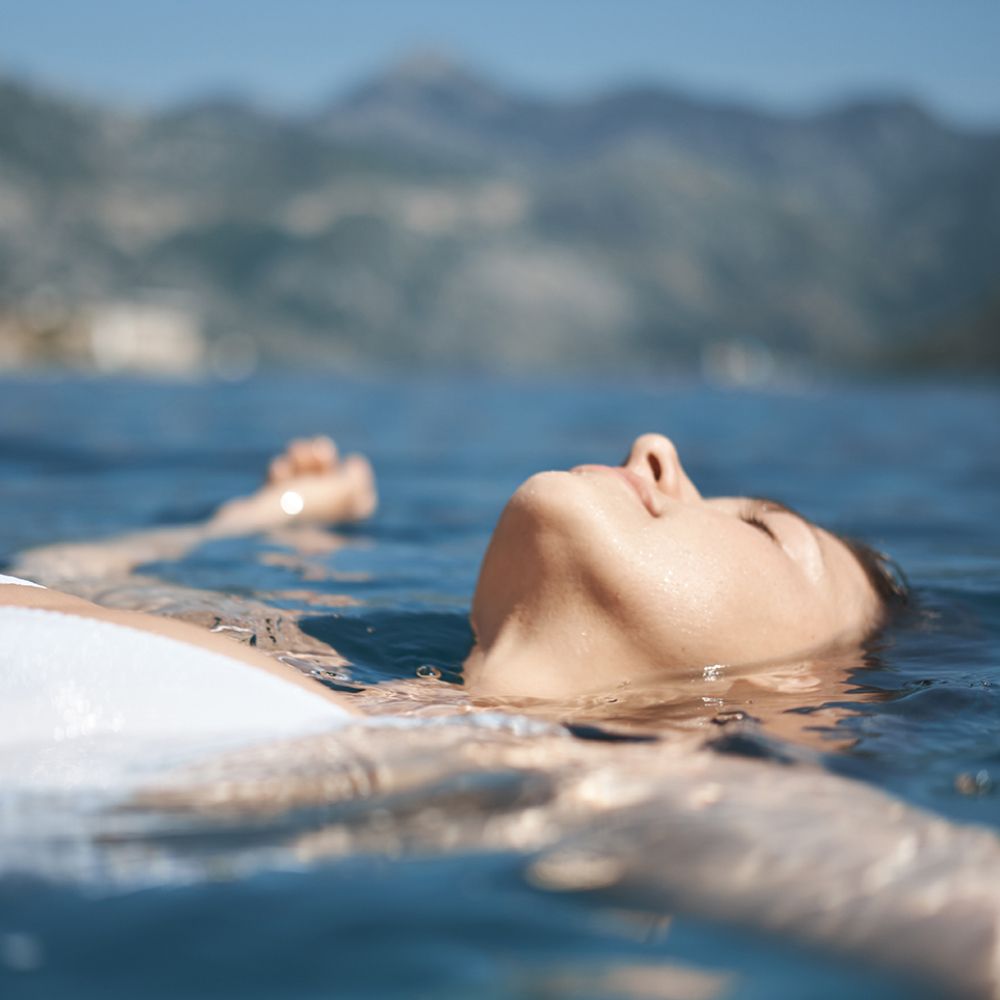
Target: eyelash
[759,524]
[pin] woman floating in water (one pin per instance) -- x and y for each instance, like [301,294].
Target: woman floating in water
[611,573]
[593,577]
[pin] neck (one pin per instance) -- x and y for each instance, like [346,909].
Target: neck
[553,653]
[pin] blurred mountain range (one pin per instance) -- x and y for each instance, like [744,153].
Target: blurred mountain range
[433,217]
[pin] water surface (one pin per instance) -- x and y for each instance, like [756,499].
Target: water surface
[914,469]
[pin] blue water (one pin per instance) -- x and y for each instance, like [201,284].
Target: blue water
[915,469]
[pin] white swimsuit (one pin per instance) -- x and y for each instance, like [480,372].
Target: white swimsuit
[82,700]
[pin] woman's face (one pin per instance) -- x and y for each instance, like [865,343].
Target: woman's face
[622,572]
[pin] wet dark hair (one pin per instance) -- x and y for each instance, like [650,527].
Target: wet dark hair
[886,578]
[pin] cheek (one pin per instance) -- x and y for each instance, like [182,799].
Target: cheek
[658,580]
[701,592]
[675,585]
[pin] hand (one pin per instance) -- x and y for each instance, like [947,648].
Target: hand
[308,481]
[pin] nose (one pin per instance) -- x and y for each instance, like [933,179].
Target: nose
[655,457]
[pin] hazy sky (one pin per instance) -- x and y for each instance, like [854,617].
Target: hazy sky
[787,53]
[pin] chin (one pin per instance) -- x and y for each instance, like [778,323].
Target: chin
[561,504]
[544,498]
[539,524]
[564,524]
[556,533]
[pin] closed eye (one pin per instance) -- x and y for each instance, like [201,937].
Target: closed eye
[752,518]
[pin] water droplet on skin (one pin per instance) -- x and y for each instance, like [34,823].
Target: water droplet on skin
[428,670]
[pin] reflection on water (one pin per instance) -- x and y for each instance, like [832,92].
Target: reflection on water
[803,702]
[648,827]
[525,848]
[352,929]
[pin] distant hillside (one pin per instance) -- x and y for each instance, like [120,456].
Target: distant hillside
[431,216]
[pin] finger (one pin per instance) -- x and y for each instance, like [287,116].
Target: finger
[301,456]
[325,452]
[312,458]
[279,469]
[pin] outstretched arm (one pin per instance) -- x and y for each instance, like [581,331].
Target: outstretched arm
[307,482]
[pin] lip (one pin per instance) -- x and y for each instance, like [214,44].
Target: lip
[642,489]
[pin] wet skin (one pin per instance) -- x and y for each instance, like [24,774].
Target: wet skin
[594,577]
[606,574]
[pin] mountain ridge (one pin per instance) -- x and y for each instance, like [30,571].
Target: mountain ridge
[431,214]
